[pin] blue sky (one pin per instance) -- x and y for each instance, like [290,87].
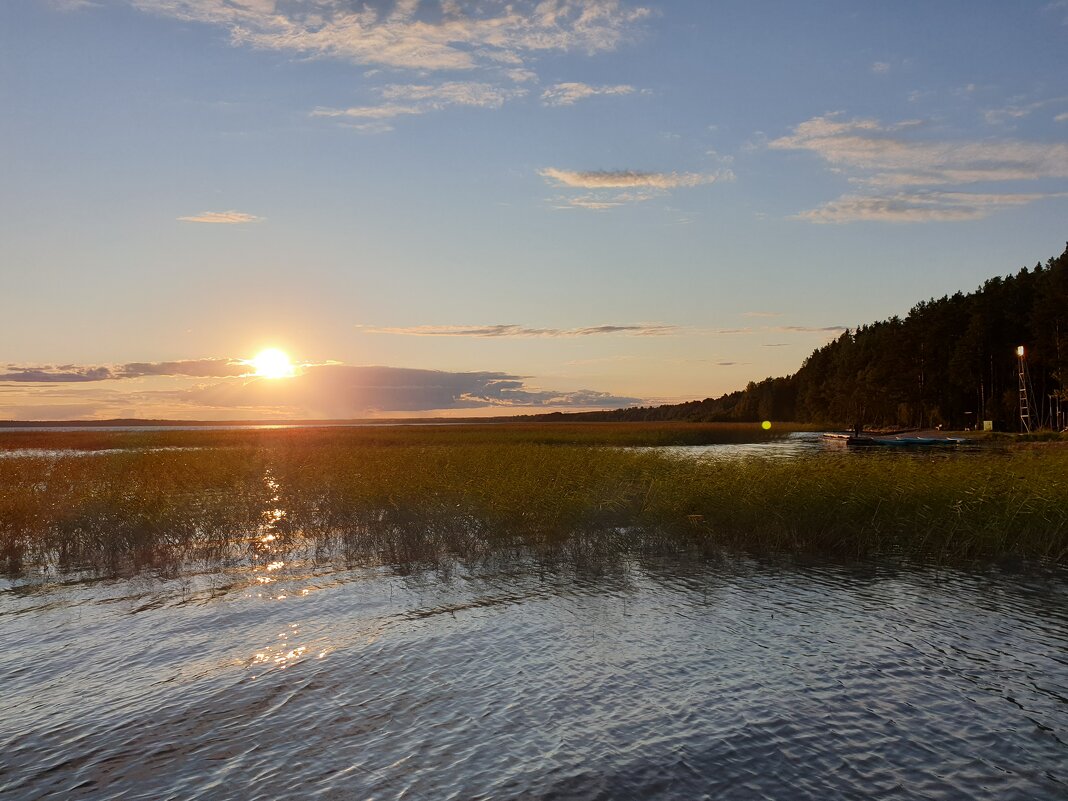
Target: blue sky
[499,207]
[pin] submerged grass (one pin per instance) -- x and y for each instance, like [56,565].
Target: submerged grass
[404,494]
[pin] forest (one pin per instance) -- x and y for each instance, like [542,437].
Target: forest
[952,362]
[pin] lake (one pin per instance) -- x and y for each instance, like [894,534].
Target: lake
[296,674]
[406,615]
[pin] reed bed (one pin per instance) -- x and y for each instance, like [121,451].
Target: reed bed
[609,434]
[396,495]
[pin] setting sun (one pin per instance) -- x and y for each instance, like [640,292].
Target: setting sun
[272,363]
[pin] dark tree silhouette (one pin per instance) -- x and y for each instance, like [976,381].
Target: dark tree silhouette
[950,361]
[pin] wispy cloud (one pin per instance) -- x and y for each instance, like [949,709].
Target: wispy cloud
[880,67]
[616,179]
[602,201]
[591,203]
[1061,117]
[72,5]
[566,94]
[377,127]
[880,156]
[65,374]
[494,331]
[521,75]
[222,218]
[383,112]
[809,329]
[761,314]
[910,207]
[69,373]
[1019,110]
[782,329]
[1059,8]
[405,99]
[447,35]
[605,185]
[913,179]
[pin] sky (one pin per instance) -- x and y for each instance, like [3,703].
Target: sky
[473,208]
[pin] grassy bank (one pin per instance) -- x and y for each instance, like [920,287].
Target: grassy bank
[390,494]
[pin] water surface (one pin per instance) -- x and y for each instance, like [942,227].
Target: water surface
[813,443]
[295,674]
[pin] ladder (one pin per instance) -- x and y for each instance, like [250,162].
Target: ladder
[1025,409]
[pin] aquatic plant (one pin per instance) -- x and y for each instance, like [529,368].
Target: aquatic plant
[394,493]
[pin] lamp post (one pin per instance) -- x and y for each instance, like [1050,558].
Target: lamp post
[1025,411]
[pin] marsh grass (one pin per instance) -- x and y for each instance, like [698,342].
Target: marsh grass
[416,495]
[617,434]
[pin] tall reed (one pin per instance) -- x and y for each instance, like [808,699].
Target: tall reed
[169,496]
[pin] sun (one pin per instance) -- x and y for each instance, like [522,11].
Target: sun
[273,363]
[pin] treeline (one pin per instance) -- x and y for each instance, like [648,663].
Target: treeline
[950,361]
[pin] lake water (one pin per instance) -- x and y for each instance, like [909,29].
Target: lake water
[811,443]
[301,674]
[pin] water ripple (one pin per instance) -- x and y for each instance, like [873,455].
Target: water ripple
[653,679]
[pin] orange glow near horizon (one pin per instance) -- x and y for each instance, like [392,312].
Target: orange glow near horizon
[273,363]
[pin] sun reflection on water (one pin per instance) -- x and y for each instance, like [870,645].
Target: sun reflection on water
[267,546]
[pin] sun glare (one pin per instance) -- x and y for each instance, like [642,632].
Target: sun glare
[272,363]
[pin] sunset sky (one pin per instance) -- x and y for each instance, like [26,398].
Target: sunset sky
[485,207]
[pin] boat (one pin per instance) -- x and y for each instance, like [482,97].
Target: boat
[893,440]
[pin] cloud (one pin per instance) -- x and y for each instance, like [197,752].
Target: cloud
[494,331]
[911,207]
[384,112]
[446,35]
[880,67]
[893,163]
[319,390]
[761,314]
[566,94]
[521,75]
[1061,117]
[222,217]
[370,127]
[460,93]
[782,329]
[615,179]
[341,391]
[1057,7]
[406,99]
[881,157]
[72,5]
[604,183]
[201,368]
[1015,111]
[601,202]
[68,373]
[809,329]
[56,375]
